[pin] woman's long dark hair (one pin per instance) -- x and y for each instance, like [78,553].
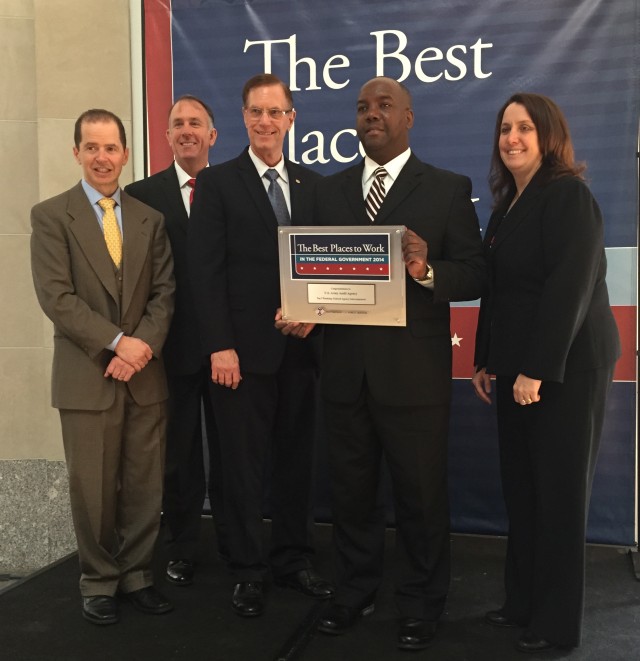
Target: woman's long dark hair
[554,141]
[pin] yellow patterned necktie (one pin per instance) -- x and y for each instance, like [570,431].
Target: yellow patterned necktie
[112,236]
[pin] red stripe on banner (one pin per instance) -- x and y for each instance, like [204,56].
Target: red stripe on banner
[626,318]
[158,62]
[463,332]
[341,269]
[463,337]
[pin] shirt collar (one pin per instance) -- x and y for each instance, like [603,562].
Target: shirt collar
[262,167]
[393,167]
[95,196]
[183,176]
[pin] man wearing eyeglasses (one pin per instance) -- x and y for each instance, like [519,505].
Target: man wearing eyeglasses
[264,383]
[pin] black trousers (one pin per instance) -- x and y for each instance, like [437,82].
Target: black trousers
[548,453]
[185,482]
[268,422]
[414,442]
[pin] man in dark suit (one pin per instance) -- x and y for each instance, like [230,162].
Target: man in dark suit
[190,134]
[264,392]
[386,389]
[103,273]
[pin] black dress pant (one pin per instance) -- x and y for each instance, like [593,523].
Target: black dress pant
[269,421]
[185,482]
[548,454]
[414,443]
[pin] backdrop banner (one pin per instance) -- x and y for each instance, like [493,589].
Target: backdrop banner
[461,60]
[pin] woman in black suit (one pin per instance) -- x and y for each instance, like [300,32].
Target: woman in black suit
[547,332]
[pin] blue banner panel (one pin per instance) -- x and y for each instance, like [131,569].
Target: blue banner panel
[461,59]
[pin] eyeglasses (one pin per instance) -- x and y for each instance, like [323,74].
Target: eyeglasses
[274,113]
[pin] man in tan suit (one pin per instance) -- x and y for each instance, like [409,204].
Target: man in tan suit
[110,298]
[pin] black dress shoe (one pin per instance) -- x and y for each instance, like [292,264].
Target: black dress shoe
[100,609]
[531,642]
[307,582]
[414,634]
[339,618]
[180,572]
[499,619]
[149,600]
[248,599]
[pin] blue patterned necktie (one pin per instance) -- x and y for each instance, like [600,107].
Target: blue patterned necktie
[276,197]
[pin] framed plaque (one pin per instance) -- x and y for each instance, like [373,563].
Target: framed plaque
[343,275]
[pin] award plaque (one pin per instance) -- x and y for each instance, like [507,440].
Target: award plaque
[343,275]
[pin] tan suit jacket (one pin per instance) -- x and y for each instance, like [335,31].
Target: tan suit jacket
[114,452]
[90,303]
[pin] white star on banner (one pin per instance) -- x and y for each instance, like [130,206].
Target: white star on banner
[455,340]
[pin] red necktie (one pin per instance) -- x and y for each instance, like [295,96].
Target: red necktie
[192,184]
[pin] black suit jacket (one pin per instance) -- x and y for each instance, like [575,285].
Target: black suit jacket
[182,351]
[412,365]
[548,310]
[233,249]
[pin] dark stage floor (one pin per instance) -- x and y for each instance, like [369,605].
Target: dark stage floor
[40,617]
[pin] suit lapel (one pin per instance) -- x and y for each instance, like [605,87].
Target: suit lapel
[258,194]
[173,195]
[352,188]
[494,223]
[513,219]
[86,230]
[134,249]
[410,176]
[296,192]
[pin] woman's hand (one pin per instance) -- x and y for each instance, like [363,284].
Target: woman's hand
[525,390]
[481,383]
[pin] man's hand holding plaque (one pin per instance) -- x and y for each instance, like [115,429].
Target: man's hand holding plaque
[294,328]
[414,252]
